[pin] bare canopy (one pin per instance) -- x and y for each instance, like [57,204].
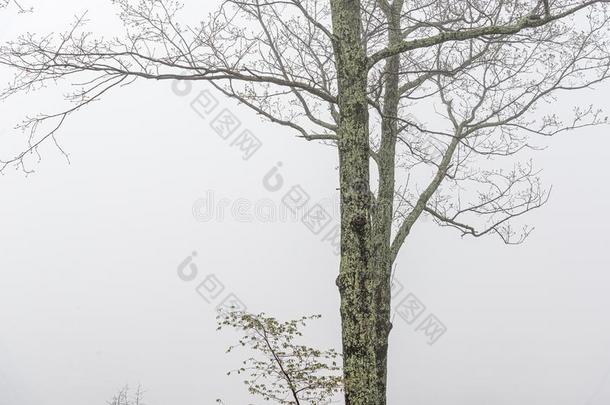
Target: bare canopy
[475,60]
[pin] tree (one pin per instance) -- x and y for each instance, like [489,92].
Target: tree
[281,369]
[126,397]
[355,74]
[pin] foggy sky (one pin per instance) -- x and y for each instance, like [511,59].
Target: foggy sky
[90,299]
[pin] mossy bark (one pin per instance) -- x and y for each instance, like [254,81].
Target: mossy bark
[365,274]
[357,281]
[383,210]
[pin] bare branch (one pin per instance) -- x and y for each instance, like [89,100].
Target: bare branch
[525,22]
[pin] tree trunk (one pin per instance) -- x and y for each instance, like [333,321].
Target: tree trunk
[383,210]
[356,280]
